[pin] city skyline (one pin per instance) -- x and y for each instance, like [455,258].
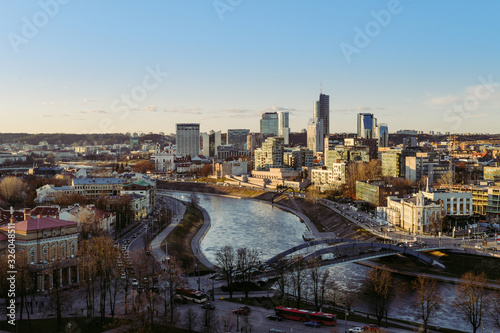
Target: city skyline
[421,65]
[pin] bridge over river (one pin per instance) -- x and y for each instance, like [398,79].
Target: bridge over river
[346,250]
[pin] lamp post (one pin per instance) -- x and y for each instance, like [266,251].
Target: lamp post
[345,324]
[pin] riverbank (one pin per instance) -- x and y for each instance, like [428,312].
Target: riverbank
[180,239]
[323,218]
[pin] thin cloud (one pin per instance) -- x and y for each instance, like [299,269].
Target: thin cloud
[92,112]
[183,110]
[279,108]
[53,115]
[360,109]
[50,103]
[87,101]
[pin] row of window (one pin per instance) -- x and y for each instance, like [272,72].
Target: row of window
[55,252]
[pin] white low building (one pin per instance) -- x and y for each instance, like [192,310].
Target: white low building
[417,214]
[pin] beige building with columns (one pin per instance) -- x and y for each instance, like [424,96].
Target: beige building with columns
[48,244]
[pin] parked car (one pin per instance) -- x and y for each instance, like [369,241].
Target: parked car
[135,282]
[492,248]
[208,306]
[355,330]
[241,311]
[312,324]
[479,247]
[370,328]
[274,317]
[246,308]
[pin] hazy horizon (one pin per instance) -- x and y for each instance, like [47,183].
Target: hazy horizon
[93,67]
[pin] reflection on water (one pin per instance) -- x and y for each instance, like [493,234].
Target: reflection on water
[247,223]
[253,224]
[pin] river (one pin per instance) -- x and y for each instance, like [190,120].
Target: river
[259,225]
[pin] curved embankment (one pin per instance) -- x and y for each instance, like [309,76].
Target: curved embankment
[205,227]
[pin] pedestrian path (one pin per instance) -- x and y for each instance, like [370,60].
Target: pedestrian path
[156,250]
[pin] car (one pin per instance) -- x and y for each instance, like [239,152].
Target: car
[355,330]
[274,317]
[370,328]
[312,324]
[244,307]
[479,247]
[135,282]
[134,236]
[123,276]
[241,311]
[208,306]
[492,249]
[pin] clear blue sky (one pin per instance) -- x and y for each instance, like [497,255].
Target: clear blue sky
[223,67]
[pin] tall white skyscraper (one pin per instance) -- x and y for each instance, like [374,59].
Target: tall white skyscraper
[284,126]
[188,139]
[210,143]
[315,135]
[366,125]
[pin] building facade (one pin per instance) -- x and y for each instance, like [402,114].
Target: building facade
[322,111]
[270,155]
[237,138]
[188,139]
[269,124]
[366,125]
[315,135]
[284,126]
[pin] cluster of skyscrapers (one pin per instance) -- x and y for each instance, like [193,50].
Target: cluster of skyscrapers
[274,125]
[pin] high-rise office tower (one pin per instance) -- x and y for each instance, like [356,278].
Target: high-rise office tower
[237,138]
[284,126]
[269,124]
[322,111]
[366,125]
[381,133]
[211,141]
[315,137]
[188,139]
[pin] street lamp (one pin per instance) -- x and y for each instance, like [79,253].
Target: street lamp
[345,326]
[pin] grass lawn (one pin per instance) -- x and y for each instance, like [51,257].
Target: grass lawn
[179,240]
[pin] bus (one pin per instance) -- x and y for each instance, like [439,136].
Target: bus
[327,319]
[191,294]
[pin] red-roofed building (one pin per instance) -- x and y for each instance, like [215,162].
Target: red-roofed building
[21,215]
[44,241]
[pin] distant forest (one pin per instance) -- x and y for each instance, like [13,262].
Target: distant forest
[67,139]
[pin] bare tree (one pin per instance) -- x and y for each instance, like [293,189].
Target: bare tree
[190,320]
[379,289]
[227,322]
[495,309]
[282,277]
[88,271]
[247,260]
[210,321]
[58,298]
[318,277]
[472,298]
[297,278]
[427,298]
[88,224]
[13,190]
[446,179]
[173,278]
[226,259]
